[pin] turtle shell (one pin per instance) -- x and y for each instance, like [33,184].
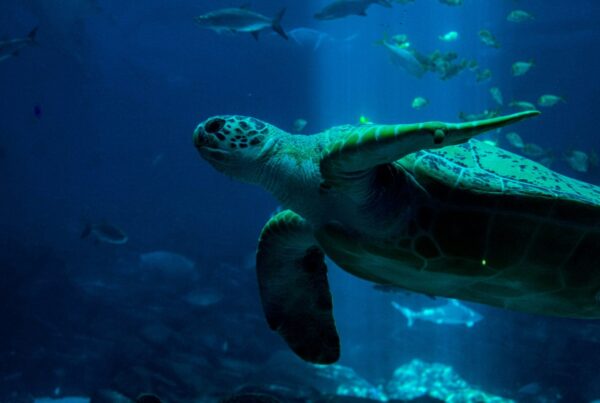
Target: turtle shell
[489,226]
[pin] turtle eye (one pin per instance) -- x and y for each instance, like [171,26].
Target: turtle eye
[214,125]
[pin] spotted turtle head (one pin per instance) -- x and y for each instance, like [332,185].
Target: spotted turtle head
[235,145]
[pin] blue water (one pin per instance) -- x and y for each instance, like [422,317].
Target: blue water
[96,126]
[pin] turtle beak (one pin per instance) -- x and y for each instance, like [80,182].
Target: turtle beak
[200,137]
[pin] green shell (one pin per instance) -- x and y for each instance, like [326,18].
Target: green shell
[489,226]
[483,168]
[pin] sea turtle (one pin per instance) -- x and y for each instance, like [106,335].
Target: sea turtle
[419,206]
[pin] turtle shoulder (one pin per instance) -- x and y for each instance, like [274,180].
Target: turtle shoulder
[479,168]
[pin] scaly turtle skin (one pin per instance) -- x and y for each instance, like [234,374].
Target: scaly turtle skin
[418,206]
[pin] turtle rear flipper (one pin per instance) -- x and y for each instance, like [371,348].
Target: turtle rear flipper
[294,290]
[348,160]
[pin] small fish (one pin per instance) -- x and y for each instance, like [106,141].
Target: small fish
[299,125]
[549,100]
[473,65]
[470,117]
[522,105]
[515,140]
[497,95]
[203,298]
[578,160]
[169,263]
[521,68]
[452,2]
[519,16]
[453,313]
[344,8]
[363,120]
[534,151]
[451,36]
[547,161]
[488,39]
[491,142]
[309,37]
[401,56]
[399,40]
[241,20]
[419,103]
[105,232]
[11,47]
[483,75]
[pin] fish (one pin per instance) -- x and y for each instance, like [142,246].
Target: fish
[515,140]
[497,95]
[473,65]
[549,100]
[344,8]
[241,19]
[170,264]
[451,36]
[519,16]
[299,125]
[401,56]
[363,120]
[522,105]
[106,233]
[470,117]
[453,313]
[309,37]
[203,298]
[11,47]
[578,160]
[521,68]
[483,75]
[488,39]
[419,103]
[534,151]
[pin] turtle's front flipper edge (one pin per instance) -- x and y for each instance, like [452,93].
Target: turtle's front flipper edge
[351,157]
[294,290]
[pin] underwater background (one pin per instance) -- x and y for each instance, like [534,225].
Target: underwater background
[96,131]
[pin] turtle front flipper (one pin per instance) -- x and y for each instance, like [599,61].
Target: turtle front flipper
[294,290]
[349,158]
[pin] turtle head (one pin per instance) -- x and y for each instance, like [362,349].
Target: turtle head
[236,145]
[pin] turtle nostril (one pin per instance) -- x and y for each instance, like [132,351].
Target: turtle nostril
[214,125]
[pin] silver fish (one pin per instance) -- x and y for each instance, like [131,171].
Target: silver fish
[344,8]
[299,125]
[241,20]
[168,265]
[402,57]
[453,313]
[105,232]
[578,160]
[515,140]
[11,47]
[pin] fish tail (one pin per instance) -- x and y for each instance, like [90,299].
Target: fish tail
[87,230]
[32,34]
[406,312]
[276,25]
